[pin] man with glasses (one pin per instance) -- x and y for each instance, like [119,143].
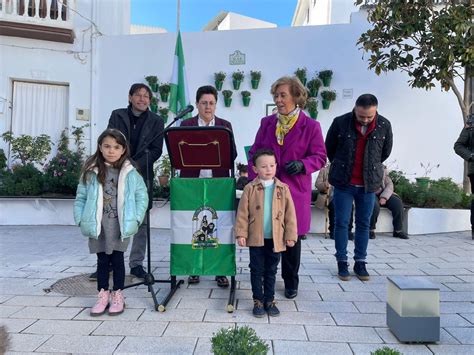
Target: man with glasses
[206,101]
[142,129]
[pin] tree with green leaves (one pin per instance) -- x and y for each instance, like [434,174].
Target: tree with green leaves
[431,41]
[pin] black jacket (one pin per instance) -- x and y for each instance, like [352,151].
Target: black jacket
[148,139]
[464,147]
[341,147]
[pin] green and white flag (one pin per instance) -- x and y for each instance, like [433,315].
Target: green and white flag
[202,220]
[179,97]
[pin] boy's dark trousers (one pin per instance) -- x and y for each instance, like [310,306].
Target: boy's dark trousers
[263,269]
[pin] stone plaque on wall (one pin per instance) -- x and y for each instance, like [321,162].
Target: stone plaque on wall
[237,58]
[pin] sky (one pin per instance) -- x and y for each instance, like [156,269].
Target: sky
[195,14]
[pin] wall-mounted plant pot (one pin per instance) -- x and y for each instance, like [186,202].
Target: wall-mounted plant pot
[218,85]
[164,180]
[255,84]
[154,108]
[313,92]
[326,81]
[227,101]
[154,87]
[326,104]
[313,114]
[236,84]
[164,97]
[246,101]
[423,182]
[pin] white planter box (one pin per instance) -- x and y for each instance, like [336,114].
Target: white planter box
[39,211]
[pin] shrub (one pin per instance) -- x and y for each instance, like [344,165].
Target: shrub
[28,149]
[385,351]
[238,341]
[22,180]
[3,160]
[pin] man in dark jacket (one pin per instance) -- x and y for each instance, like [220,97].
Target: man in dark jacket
[142,129]
[357,143]
[464,147]
[206,101]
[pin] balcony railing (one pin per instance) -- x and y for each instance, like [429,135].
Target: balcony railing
[52,13]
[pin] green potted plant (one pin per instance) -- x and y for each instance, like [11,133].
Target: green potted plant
[424,181]
[163,111]
[325,76]
[328,96]
[237,78]
[219,78]
[153,104]
[152,81]
[246,98]
[164,91]
[313,85]
[238,340]
[301,74]
[163,170]
[227,97]
[312,107]
[255,77]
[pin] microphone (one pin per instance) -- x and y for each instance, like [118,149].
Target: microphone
[184,112]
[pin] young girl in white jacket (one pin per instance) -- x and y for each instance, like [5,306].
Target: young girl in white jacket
[111,202]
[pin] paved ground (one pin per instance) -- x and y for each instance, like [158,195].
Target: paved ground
[328,316]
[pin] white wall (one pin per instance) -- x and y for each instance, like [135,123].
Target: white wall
[425,124]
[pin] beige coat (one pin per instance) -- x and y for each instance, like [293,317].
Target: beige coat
[249,221]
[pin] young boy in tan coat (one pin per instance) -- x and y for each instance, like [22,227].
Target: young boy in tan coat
[266,223]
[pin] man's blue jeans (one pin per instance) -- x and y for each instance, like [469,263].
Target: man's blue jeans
[364,204]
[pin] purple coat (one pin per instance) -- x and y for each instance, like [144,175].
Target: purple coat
[303,142]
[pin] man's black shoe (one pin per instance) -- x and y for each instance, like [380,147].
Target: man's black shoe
[138,271]
[372,235]
[290,293]
[93,276]
[272,309]
[400,235]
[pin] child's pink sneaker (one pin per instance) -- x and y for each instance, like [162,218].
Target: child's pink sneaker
[117,304]
[101,304]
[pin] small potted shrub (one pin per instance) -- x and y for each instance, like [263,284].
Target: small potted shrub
[219,78]
[312,107]
[246,97]
[163,112]
[313,85]
[301,74]
[153,104]
[227,97]
[164,170]
[237,78]
[255,77]
[152,81]
[424,181]
[326,77]
[164,91]
[238,340]
[328,96]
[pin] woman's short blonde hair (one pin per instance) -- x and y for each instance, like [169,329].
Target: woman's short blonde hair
[297,90]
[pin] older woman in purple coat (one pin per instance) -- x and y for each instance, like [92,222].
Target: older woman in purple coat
[299,148]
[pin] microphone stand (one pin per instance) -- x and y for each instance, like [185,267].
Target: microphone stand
[149,278]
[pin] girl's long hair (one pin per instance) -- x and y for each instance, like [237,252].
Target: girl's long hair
[97,159]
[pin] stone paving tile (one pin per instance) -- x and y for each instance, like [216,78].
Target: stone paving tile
[348,296]
[363,287]
[203,303]
[445,272]
[306,318]
[326,279]
[279,331]
[308,347]
[456,307]
[6,311]
[26,342]
[412,349]
[454,320]
[127,315]
[4,298]
[62,327]
[48,312]
[203,347]
[401,272]
[194,329]
[340,334]
[463,335]
[305,306]
[451,349]
[468,287]
[238,316]
[466,278]
[80,344]
[124,328]
[456,296]
[371,307]
[224,293]
[362,320]
[172,315]
[155,345]
[16,325]
[35,301]
[468,316]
